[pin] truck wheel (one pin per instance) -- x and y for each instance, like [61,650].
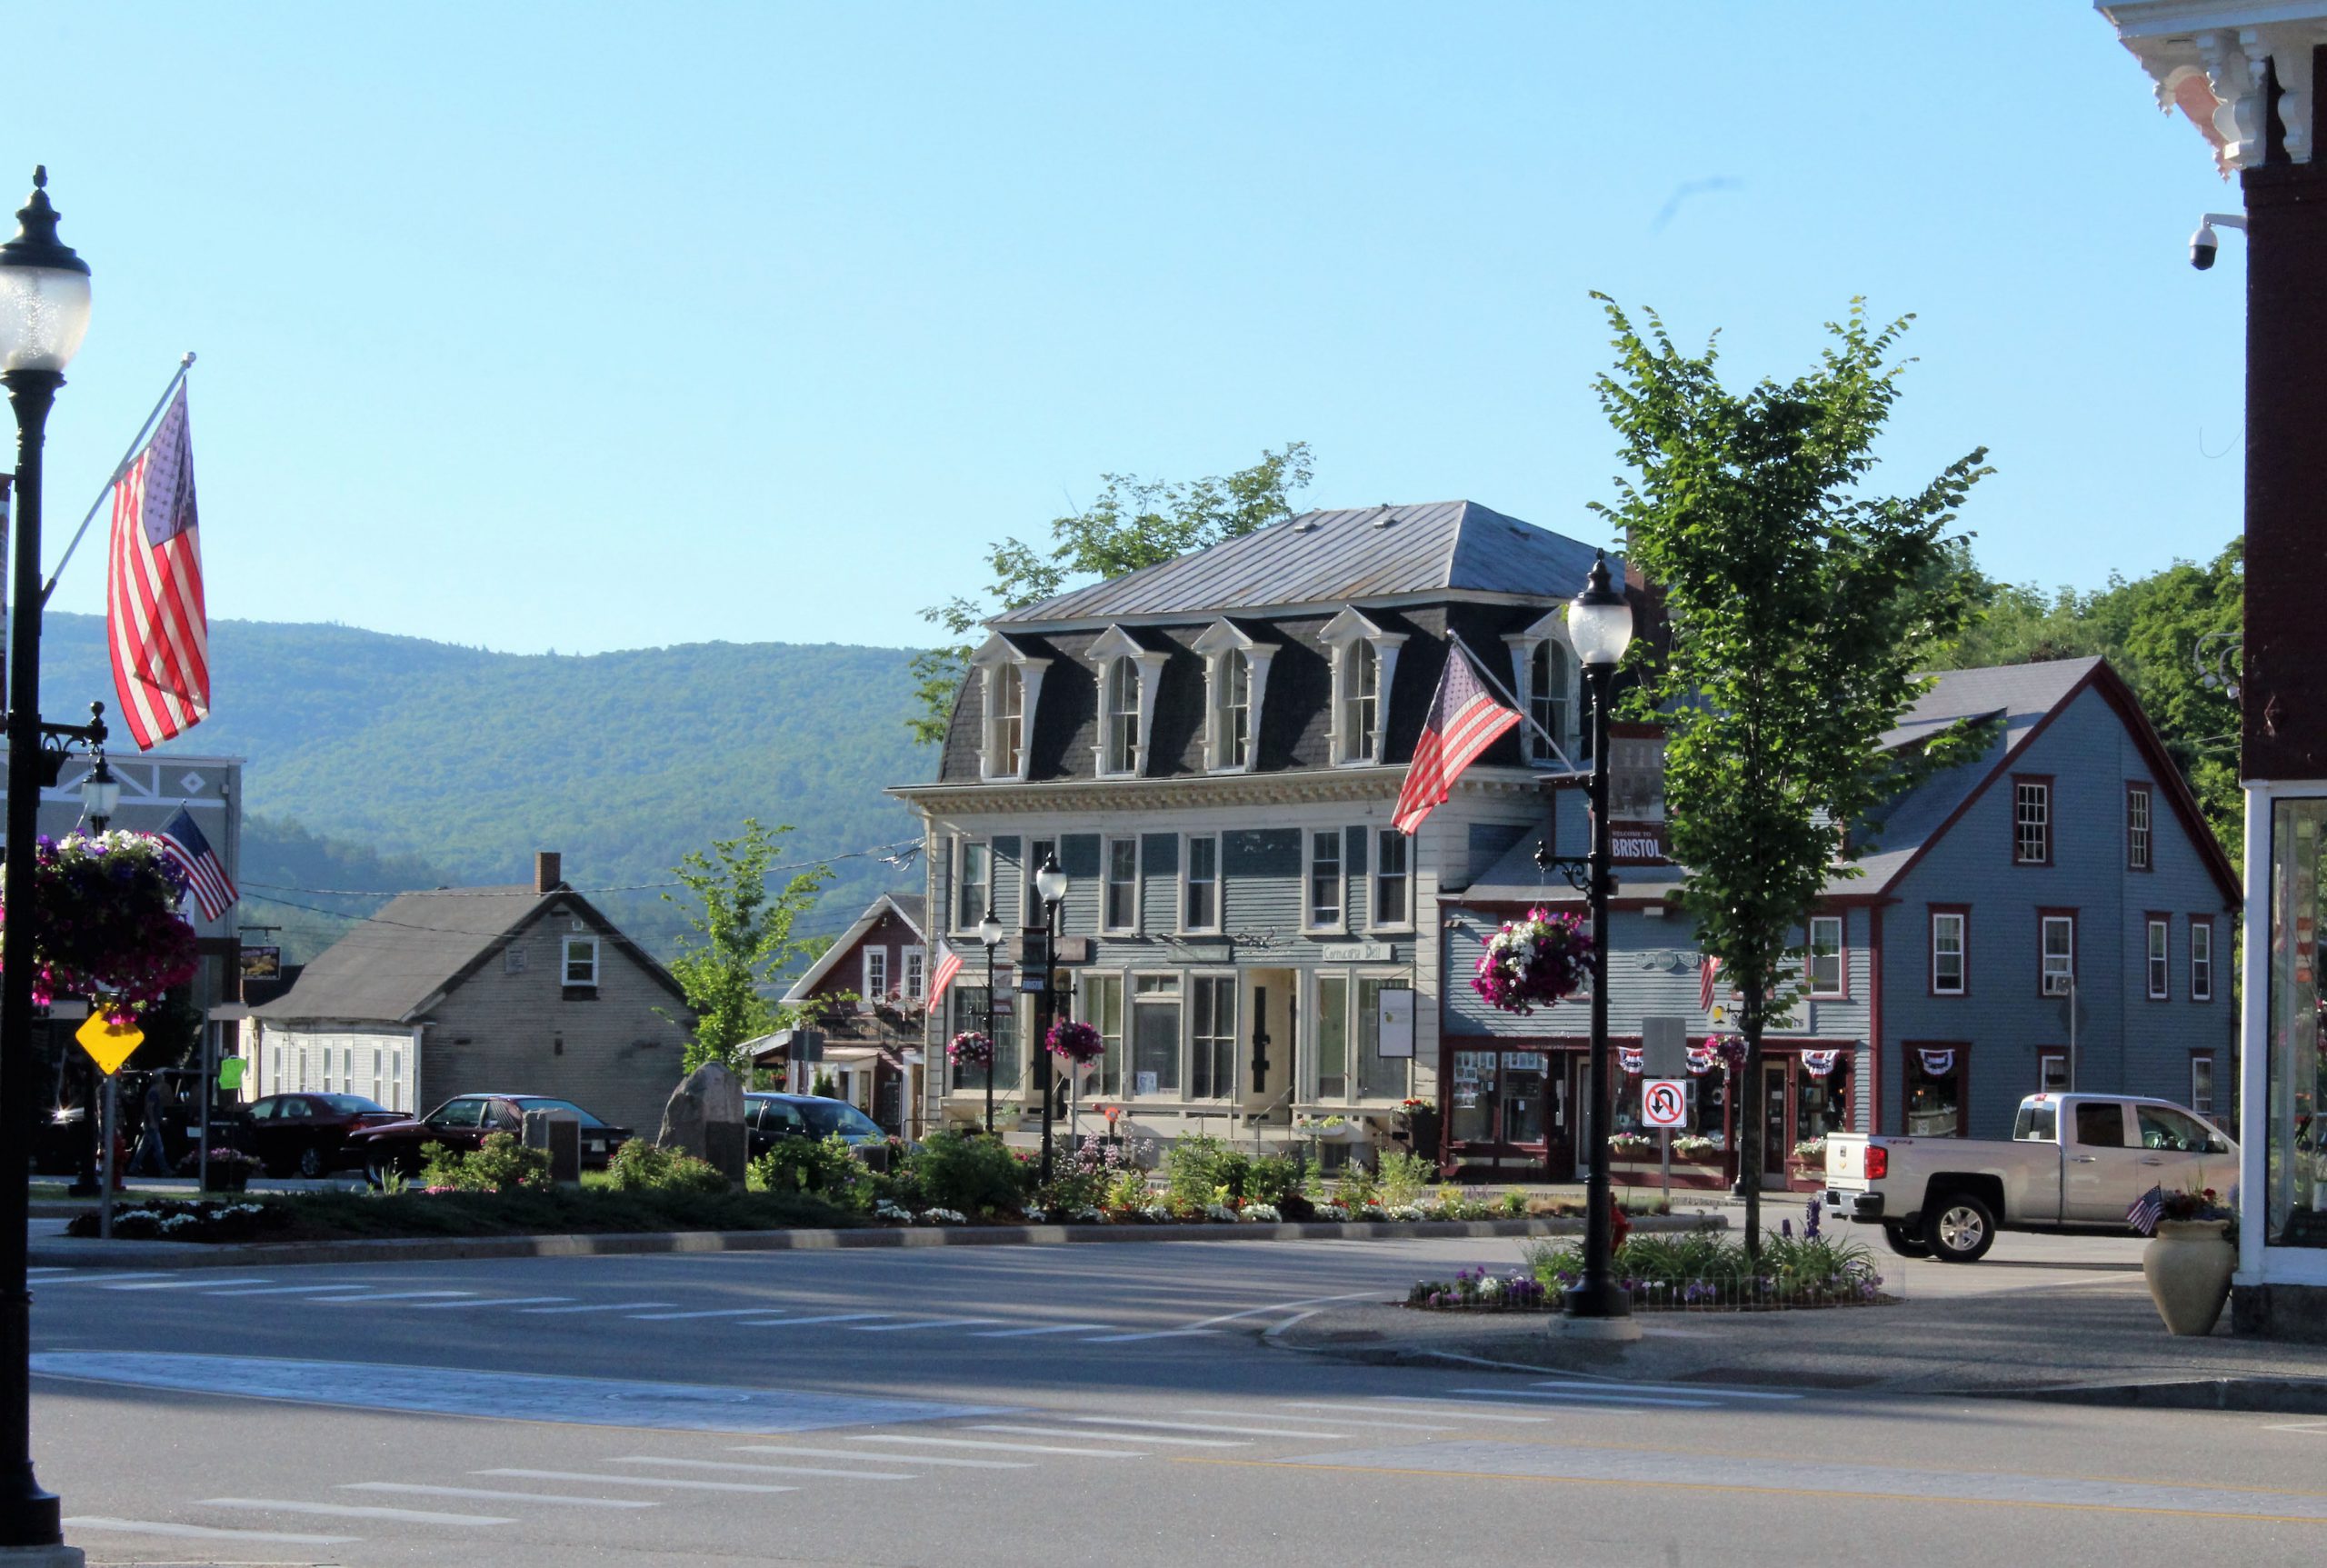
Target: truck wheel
[1904,1241]
[1959,1229]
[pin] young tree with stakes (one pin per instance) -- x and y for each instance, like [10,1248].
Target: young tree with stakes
[746,931]
[1797,602]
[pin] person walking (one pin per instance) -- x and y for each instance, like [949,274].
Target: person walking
[151,1159]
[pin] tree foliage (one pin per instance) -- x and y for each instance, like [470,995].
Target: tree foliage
[1798,604]
[2170,635]
[1133,522]
[742,937]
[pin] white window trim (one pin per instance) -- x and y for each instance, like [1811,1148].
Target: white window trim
[996,651]
[1221,642]
[1342,633]
[1308,874]
[1189,981]
[1841,957]
[872,958]
[1353,1062]
[913,983]
[1219,912]
[2198,926]
[2213,1096]
[2157,958]
[1963,953]
[565,961]
[1181,999]
[1551,628]
[961,843]
[1111,644]
[1106,870]
[1373,882]
[2044,925]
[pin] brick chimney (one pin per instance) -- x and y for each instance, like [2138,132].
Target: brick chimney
[548,871]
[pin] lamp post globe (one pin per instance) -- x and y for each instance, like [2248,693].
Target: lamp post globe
[1600,619]
[1050,882]
[44,314]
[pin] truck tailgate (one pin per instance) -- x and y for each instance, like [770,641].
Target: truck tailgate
[1846,1158]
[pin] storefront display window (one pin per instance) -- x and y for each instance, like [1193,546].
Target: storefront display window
[1821,1104]
[2295,1165]
[1935,1090]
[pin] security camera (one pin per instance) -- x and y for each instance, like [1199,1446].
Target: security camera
[2204,245]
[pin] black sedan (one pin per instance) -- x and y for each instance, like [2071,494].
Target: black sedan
[462,1123]
[308,1134]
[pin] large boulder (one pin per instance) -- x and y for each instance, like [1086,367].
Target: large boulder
[705,1118]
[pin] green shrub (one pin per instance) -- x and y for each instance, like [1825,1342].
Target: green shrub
[825,1166]
[1513,1204]
[1356,1189]
[1405,1178]
[1272,1179]
[970,1172]
[643,1167]
[501,1164]
[1197,1166]
[1708,1269]
[1129,1191]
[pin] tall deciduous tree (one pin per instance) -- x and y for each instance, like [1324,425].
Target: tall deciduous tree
[1133,522]
[742,937]
[1798,603]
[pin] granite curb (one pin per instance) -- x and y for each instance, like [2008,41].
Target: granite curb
[88,1253]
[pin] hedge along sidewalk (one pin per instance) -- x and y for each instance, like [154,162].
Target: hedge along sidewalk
[73,1252]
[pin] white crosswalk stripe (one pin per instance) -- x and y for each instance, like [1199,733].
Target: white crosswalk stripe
[200,1532]
[1426,1403]
[1016,1431]
[1336,1420]
[611,1306]
[487,1494]
[291,1291]
[1710,1391]
[715,1311]
[805,1322]
[390,1296]
[930,1323]
[504,1302]
[1157,1334]
[1194,1426]
[181,1284]
[1594,1396]
[1006,1447]
[763,1469]
[1041,1328]
[949,1460]
[106,1277]
[602,1480]
[350,1510]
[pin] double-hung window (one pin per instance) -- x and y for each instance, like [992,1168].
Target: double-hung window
[916,974]
[1550,701]
[1007,720]
[2202,958]
[2160,962]
[1200,905]
[1102,1006]
[1325,892]
[1155,1034]
[973,883]
[1392,883]
[1121,911]
[876,973]
[2137,834]
[1235,709]
[1361,702]
[1214,1027]
[2057,954]
[581,966]
[2201,1082]
[1826,956]
[2032,822]
[1122,717]
[1949,965]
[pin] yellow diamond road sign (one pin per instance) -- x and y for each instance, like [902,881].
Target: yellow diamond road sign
[108,1044]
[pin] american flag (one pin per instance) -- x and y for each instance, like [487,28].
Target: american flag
[156,621]
[1463,721]
[2146,1209]
[1708,968]
[205,874]
[948,966]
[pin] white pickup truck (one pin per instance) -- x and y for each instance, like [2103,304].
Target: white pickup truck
[2074,1163]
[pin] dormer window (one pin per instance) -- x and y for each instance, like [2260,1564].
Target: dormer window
[1235,674]
[1121,739]
[1128,671]
[1013,682]
[1365,657]
[1550,689]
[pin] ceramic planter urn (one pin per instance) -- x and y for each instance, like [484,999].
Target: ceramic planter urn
[2188,1267]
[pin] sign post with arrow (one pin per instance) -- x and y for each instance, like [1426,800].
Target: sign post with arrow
[109,1045]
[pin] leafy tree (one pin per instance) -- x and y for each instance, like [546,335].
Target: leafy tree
[743,935]
[1133,522]
[1798,604]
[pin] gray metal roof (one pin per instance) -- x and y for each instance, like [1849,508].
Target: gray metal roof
[1332,558]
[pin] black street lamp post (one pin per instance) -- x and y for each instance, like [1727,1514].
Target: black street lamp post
[1049,886]
[44,312]
[1600,625]
[990,934]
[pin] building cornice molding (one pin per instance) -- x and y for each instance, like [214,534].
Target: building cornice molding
[1293,788]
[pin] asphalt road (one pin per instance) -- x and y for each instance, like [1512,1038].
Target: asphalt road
[1112,1404]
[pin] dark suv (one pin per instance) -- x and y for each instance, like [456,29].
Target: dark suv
[769,1116]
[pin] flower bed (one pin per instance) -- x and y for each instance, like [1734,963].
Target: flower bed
[172,1220]
[1477,1290]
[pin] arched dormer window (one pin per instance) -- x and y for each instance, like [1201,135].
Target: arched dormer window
[1235,676]
[1365,658]
[1549,684]
[1128,671]
[1012,681]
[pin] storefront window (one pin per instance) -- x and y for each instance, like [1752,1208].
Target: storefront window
[1378,1075]
[1155,1034]
[1470,1108]
[2295,1167]
[1935,1090]
[1820,1106]
[1333,1037]
[969,1013]
[1101,1004]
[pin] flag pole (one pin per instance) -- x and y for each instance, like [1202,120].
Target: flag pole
[119,469]
[1504,693]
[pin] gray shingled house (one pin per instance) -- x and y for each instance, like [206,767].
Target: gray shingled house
[517,990]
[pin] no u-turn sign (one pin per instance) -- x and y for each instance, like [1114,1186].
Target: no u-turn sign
[1664,1102]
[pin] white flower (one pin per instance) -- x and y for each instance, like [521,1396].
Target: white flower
[1156,1212]
[885,1209]
[1219,1211]
[1262,1212]
[1331,1212]
[944,1217]
[1406,1211]
[1089,1213]
[1037,1216]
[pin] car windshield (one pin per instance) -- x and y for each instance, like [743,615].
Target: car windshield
[826,1117]
[353,1104]
[537,1103]
[2037,1124]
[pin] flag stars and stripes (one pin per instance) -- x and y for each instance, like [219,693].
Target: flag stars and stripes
[157,626]
[1464,720]
[184,846]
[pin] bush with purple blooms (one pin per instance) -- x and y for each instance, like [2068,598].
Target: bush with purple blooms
[109,923]
[969,1049]
[1480,1290]
[1075,1040]
[1542,959]
[1708,1271]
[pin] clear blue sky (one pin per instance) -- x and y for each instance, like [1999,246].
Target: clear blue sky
[589,326]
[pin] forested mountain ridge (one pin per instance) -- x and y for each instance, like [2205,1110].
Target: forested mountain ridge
[389,762]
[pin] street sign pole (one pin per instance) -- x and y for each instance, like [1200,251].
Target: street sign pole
[201,1158]
[106,1161]
[109,1045]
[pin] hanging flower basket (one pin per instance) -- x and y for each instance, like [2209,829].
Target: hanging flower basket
[969,1049]
[1730,1049]
[1075,1042]
[1542,959]
[107,910]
